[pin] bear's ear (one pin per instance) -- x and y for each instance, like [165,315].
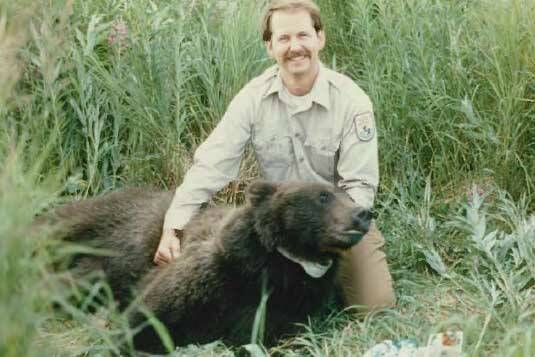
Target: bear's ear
[260,191]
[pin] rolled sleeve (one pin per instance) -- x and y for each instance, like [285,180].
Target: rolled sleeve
[215,163]
[358,165]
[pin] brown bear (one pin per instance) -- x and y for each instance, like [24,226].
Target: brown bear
[288,234]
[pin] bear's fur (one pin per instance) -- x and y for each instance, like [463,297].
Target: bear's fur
[212,290]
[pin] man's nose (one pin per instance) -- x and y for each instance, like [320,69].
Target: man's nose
[294,44]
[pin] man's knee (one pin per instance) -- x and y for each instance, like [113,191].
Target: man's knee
[364,275]
[380,297]
[386,298]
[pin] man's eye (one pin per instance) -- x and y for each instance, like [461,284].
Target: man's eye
[283,39]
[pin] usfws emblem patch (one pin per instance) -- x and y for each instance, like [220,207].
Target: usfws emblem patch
[365,126]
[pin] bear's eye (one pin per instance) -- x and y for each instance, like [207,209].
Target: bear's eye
[325,197]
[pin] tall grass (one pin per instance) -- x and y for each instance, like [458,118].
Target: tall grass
[100,94]
[22,298]
[138,102]
[452,84]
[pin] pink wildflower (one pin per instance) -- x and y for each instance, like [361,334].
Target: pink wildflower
[118,34]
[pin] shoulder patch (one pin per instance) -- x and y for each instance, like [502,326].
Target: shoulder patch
[365,126]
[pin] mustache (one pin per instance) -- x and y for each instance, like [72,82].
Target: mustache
[295,54]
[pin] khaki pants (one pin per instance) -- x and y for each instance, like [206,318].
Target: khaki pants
[364,276]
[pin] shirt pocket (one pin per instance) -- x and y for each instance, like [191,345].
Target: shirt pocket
[322,156]
[274,151]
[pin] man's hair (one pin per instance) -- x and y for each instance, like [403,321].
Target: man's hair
[276,5]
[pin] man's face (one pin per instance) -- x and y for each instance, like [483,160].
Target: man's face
[294,43]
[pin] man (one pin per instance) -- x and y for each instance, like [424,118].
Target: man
[305,122]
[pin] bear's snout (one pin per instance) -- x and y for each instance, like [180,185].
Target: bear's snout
[361,219]
[351,225]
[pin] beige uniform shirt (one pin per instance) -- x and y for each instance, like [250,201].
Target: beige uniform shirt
[329,137]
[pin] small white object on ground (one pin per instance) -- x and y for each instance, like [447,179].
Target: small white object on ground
[447,344]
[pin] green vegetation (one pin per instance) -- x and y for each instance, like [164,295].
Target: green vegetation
[96,95]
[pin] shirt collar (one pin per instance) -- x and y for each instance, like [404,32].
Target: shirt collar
[319,92]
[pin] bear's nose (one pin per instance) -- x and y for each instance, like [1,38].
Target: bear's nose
[361,219]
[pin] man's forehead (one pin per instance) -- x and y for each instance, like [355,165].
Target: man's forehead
[293,20]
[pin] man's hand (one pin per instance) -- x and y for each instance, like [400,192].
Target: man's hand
[169,247]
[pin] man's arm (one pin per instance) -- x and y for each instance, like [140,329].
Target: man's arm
[216,162]
[358,164]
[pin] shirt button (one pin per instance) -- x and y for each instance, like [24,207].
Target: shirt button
[301,159]
[297,135]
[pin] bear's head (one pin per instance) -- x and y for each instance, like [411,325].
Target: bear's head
[309,223]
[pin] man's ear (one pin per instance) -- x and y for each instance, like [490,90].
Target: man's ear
[260,191]
[269,48]
[321,37]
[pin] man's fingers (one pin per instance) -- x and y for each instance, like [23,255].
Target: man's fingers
[164,255]
[160,261]
[174,249]
[161,257]
[168,249]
